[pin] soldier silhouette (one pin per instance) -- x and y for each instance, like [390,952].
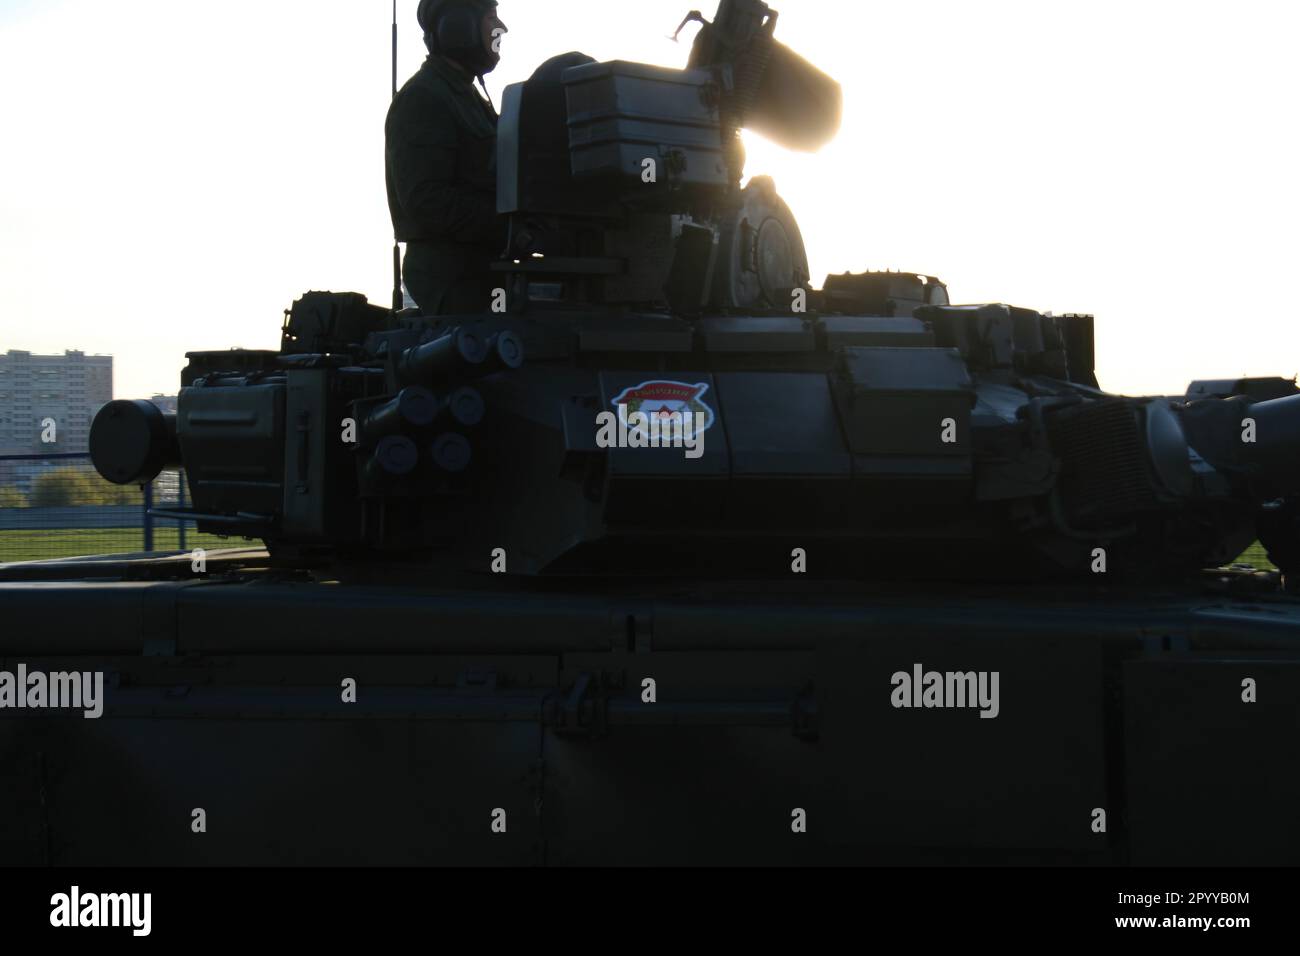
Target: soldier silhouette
[440,160]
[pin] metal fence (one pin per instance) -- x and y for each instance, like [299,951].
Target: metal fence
[57,506]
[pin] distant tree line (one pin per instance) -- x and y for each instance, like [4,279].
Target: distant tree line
[68,487]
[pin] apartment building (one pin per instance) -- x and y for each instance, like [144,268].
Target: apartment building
[68,388]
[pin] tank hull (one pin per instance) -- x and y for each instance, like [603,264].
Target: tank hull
[644,724]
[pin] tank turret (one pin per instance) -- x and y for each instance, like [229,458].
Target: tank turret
[657,387]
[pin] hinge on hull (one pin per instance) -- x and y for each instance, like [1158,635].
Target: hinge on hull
[632,630]
[583,711]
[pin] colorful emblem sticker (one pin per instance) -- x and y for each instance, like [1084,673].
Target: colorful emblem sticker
[664,399]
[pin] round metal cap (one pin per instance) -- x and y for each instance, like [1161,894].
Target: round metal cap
[129,441]
[465,405]
[451,452]
[397,455]
[417,405]
[508,350]
[473,347]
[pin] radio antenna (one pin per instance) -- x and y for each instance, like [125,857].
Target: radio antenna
[398,300]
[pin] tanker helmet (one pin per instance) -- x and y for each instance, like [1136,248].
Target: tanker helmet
[453,28]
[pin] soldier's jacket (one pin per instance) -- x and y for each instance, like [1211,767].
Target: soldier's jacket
[440,161]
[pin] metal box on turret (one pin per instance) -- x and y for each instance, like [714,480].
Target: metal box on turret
[621,114]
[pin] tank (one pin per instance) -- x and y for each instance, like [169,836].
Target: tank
[670,555]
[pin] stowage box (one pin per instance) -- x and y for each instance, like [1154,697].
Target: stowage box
[620,114]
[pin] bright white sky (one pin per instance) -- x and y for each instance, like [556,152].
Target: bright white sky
[173,174]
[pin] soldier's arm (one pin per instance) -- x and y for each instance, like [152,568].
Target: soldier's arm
[422,135]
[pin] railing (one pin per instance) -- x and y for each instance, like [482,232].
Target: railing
[57,506]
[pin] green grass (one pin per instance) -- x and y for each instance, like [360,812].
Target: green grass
[1255,555]
[36,545]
